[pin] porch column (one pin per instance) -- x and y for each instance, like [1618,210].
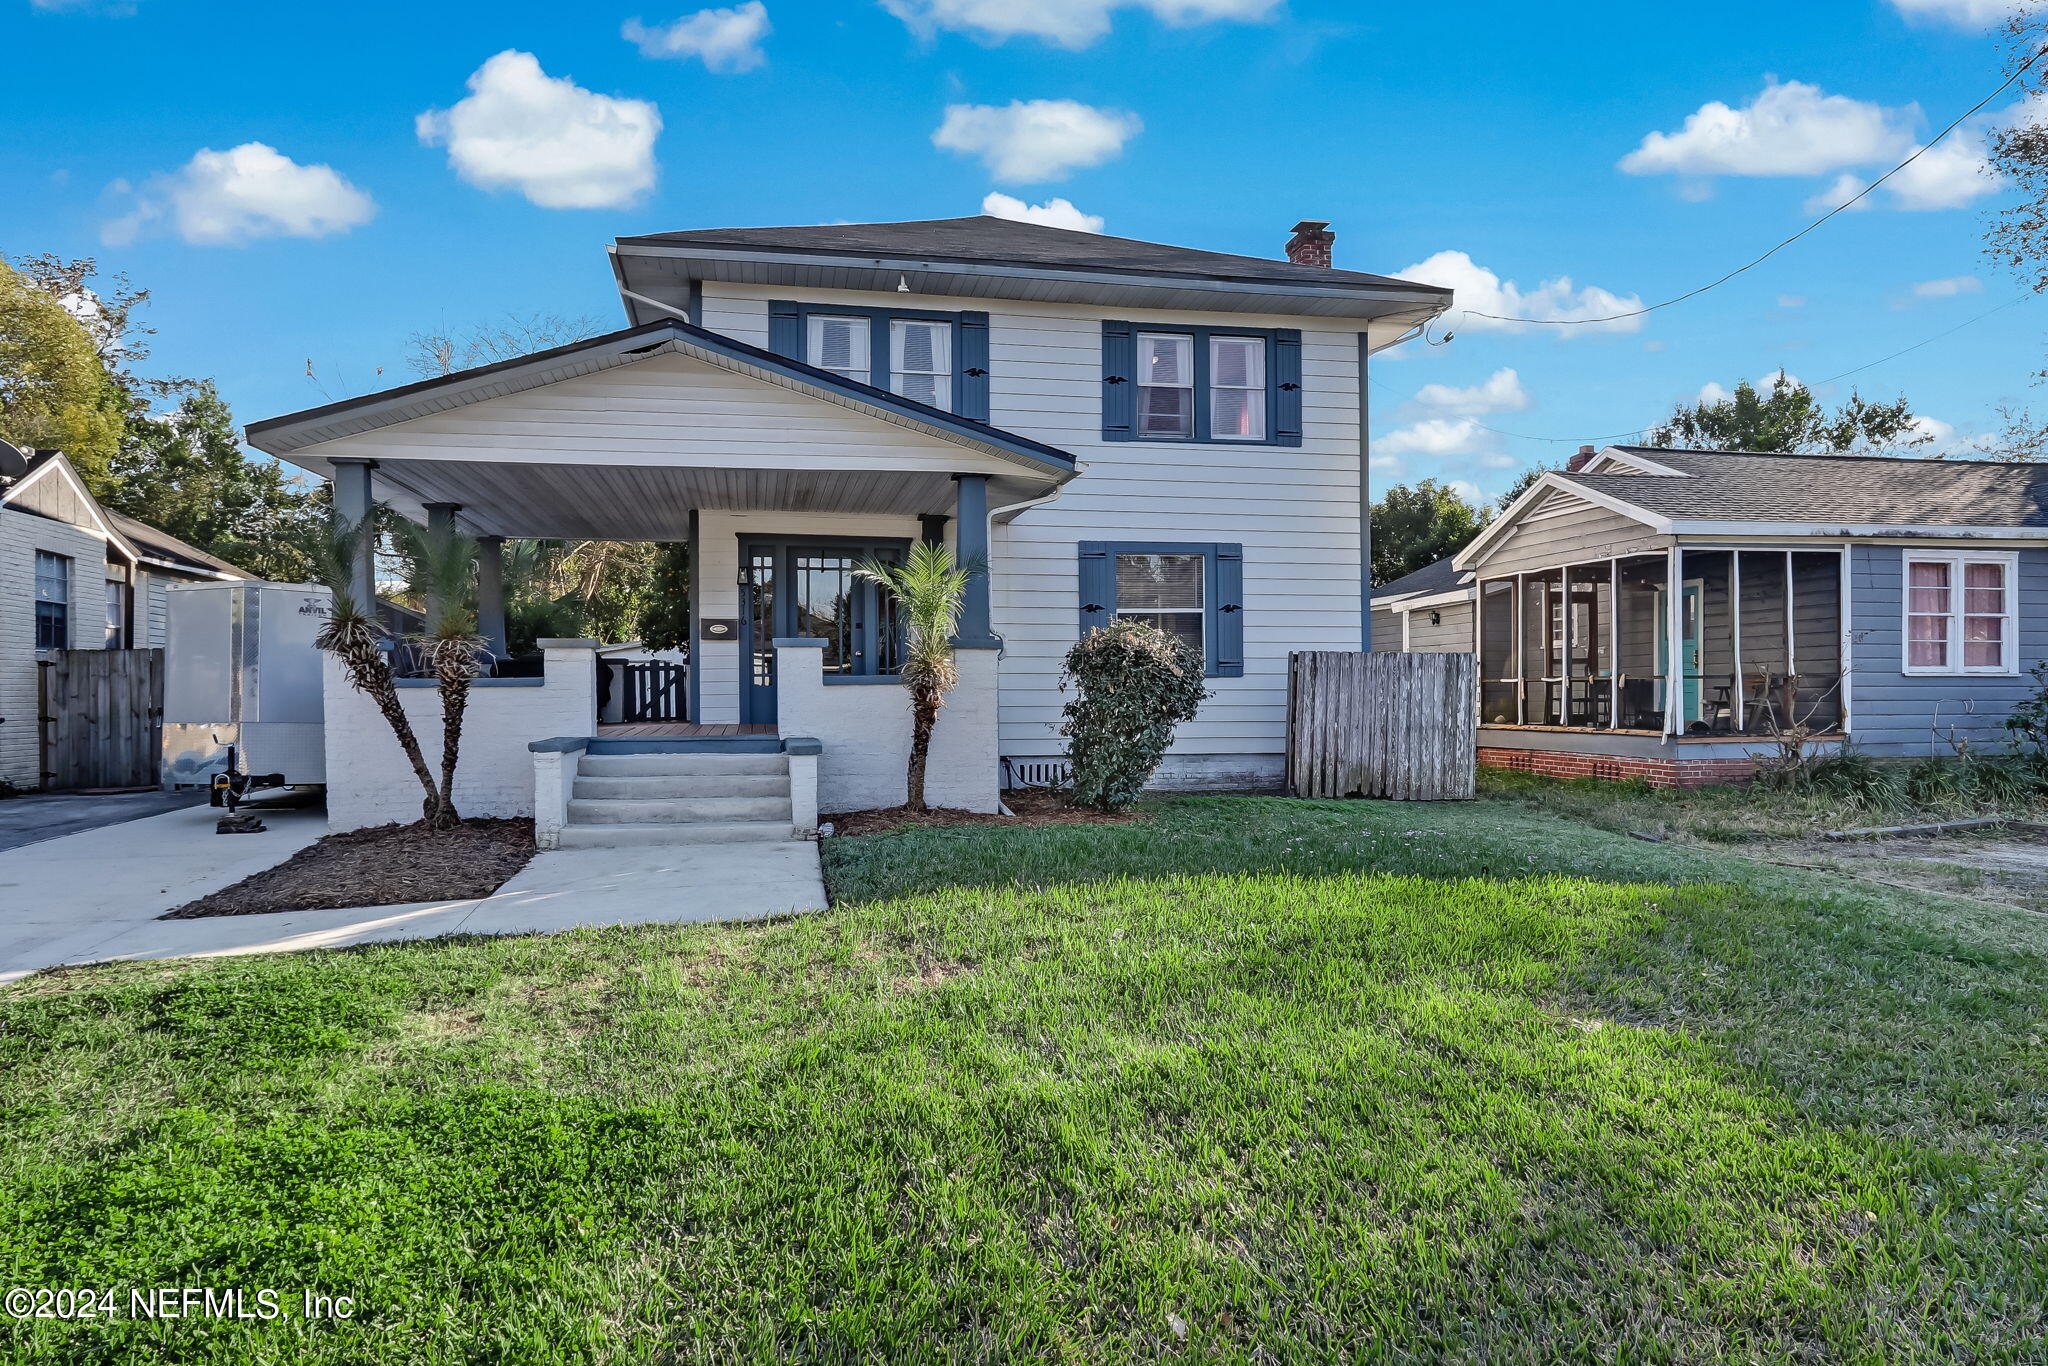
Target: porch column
[970,539]
[353,499]
[440,530]
[490,592]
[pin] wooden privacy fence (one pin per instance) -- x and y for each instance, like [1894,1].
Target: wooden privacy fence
[102,718]
[1387,724]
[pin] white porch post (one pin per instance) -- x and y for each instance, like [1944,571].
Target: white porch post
[490,592]
[353,499]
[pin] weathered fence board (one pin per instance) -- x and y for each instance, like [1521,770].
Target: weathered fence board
[1387,724]
[102,714]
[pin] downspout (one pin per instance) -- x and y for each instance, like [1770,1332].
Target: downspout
[1366,351]
[656,303]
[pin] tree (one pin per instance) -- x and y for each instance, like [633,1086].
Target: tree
[1523,482]
[929,589]
[441,572]
[431,354]
[1791,420]
[54,391]
[665,609]
[184,472]
[1418,525]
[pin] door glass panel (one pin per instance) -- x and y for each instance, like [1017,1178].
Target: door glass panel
[761,610]
[823,601]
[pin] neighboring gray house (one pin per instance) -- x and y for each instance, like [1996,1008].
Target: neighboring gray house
[1898,604]
[73,575]
[1111,427]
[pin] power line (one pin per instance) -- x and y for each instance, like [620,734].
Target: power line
[2019,299]
[1846,204]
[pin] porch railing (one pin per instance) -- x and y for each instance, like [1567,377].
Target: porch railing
[646,690]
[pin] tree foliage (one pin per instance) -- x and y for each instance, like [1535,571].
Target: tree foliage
[1418,524]
[665,607]
[1522,483]
[432,354]
[1135,684]
[1789,419]
[930,589]
[54,392]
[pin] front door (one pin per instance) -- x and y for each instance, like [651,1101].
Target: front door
[1689,625]
[805,586]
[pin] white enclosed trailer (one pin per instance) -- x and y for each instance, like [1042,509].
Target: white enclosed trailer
[242,687]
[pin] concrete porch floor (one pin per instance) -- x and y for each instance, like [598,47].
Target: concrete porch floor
[94,896]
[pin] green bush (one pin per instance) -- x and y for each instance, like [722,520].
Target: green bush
[1135,684]
[1851,776]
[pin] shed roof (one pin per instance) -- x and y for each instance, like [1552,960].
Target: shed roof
[164,547]
[1441,577]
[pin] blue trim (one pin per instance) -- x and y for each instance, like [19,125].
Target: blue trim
[970,539]
[1120,383]
[575,744]
[789,328]
[1222,594]
[474,682]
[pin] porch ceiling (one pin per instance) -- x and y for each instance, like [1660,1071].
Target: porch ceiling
[652,503]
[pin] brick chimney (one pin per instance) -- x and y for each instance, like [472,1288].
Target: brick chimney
[1311,243]
[1578,462]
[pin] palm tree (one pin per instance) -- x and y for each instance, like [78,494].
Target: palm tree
[355,637]
[441,570]
[929,588]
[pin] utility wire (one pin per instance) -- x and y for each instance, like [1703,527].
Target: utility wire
[2004,85]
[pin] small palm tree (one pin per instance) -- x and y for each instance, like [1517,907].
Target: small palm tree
[355,637]
[440,570]
[929,588]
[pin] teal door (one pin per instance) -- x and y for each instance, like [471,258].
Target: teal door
[1689,654]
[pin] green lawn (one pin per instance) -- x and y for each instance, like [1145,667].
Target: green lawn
[1257,1081]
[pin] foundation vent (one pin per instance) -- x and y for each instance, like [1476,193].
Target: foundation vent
[1036,773]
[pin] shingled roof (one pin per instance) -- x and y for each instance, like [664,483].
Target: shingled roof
[1441,577]
[1841,490]
[1000,241]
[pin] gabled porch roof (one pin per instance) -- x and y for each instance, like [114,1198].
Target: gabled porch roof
[534,446]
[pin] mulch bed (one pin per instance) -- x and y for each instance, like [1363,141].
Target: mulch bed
[384,865]
[1034,806]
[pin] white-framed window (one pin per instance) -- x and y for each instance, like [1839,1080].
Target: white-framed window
[53,601]
[1237,388]
[841,345]
[1959,612]
[921,360]
[1166,591]
[1166,384]
[117,614]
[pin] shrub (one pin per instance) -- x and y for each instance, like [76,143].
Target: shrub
[1854,777]
[1135,684]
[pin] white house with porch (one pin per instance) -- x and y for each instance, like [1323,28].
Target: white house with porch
[1110,427]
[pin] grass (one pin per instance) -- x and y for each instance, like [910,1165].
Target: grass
[1254,1081]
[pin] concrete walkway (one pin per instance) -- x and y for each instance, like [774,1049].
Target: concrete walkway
[46,815]
[95,896]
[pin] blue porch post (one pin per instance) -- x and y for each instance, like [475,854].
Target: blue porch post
[490,592]
[970,539]
[353,498]
[440,527]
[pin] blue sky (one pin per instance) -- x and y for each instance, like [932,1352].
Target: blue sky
[267,172]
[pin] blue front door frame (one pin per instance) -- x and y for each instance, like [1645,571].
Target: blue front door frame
[804,586]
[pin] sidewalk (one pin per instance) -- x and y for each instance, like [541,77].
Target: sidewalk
[96,895]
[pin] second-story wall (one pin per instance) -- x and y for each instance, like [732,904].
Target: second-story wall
[1293,509]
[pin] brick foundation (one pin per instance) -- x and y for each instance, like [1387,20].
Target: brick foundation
[1657,772]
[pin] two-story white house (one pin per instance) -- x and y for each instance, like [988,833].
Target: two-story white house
[1113,427]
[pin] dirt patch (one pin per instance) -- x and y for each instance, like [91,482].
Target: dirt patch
[1033,806]
[385,865]
[2008,866]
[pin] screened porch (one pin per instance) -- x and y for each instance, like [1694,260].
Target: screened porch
[1587,646]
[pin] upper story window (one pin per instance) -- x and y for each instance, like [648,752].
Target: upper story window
[53,601]
[1201,384]
[1959,613]
[938,359]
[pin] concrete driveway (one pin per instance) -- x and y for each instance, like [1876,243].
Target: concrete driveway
[95,896]
[45,816]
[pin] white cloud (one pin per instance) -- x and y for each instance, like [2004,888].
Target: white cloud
[1947,176]
[247,192]
[1034,140]
[1713,392]
[1966,13]
[1789,129]
[1053,213]
[1846,187]
[1500,392]
[725,39]
[1482,291]
[1068,23]
[1949,287]
[561,146]
[1435,436]
[1791,301]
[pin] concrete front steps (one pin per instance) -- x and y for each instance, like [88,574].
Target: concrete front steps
[617,800]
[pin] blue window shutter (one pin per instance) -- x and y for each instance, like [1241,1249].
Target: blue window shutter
[786,329]
[1098,590]
[970,387]
[1287,387]
[1119,382]
[1226,612]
